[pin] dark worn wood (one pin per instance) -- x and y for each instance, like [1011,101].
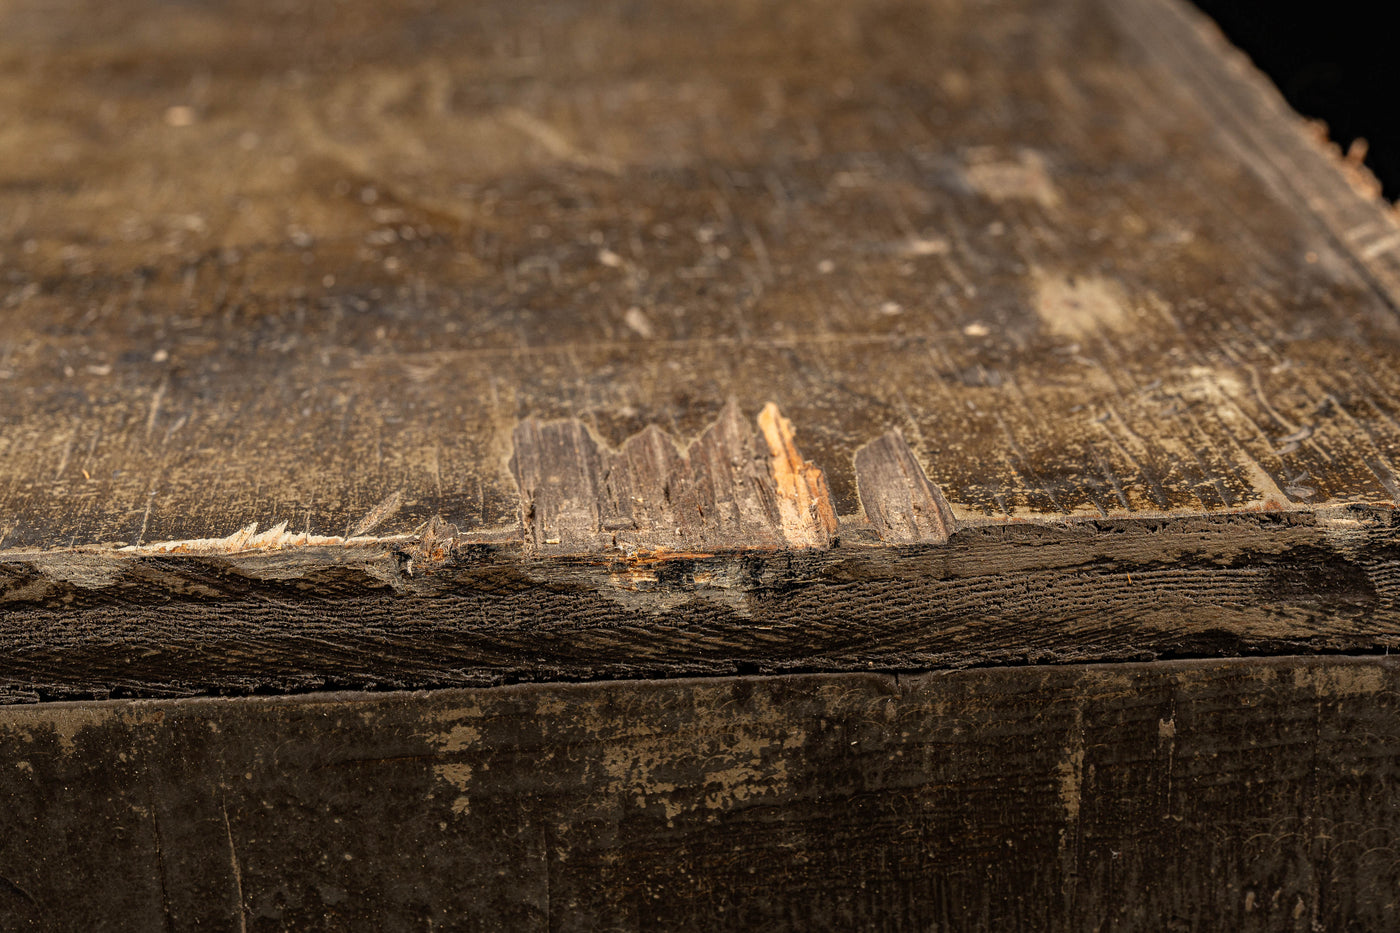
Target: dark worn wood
[349,344]
[92,625]
[902,505]
[1292,158]
[1250,796]
[371,345]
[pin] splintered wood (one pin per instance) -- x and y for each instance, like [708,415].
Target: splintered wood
[804,504]
[519,307]
[899,500]
[459,250]
[719,493]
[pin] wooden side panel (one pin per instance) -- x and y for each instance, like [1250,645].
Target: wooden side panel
[1253,795]
[434,613]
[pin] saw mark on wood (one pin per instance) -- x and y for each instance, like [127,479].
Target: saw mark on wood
[721,492]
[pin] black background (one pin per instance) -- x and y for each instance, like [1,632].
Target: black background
[1334,61]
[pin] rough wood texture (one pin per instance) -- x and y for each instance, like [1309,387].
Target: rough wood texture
[377,344]
[578,497]
[903,506]
[313,618]
[1247,796]
[401,345]
[277,264]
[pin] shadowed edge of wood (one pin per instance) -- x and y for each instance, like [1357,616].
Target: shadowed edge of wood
[445,612]
[1284,149]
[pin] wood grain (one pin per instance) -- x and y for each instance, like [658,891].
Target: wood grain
[903,506]
[406,615]
[362,248]
[498,348]
[375,345]
[719,493]
[1251,795]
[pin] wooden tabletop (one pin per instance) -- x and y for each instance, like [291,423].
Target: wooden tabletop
[585,357]
[363,344]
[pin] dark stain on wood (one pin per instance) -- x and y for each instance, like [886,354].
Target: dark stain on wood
[1248,795]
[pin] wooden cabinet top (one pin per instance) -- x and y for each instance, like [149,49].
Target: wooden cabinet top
[413,344]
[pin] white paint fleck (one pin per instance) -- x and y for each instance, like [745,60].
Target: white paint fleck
[1000,179]
[637,320]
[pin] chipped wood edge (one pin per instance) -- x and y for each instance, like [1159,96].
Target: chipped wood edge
[804,517]
[897,496]
[804,502]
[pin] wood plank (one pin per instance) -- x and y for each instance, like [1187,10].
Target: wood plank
[1051,266]
[362,344]
[1253,795]
[369,617]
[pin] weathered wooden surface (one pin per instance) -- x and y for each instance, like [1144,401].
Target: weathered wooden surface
[353,617]
[366,344]
[1252,795]
[267,263]
[373,345]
